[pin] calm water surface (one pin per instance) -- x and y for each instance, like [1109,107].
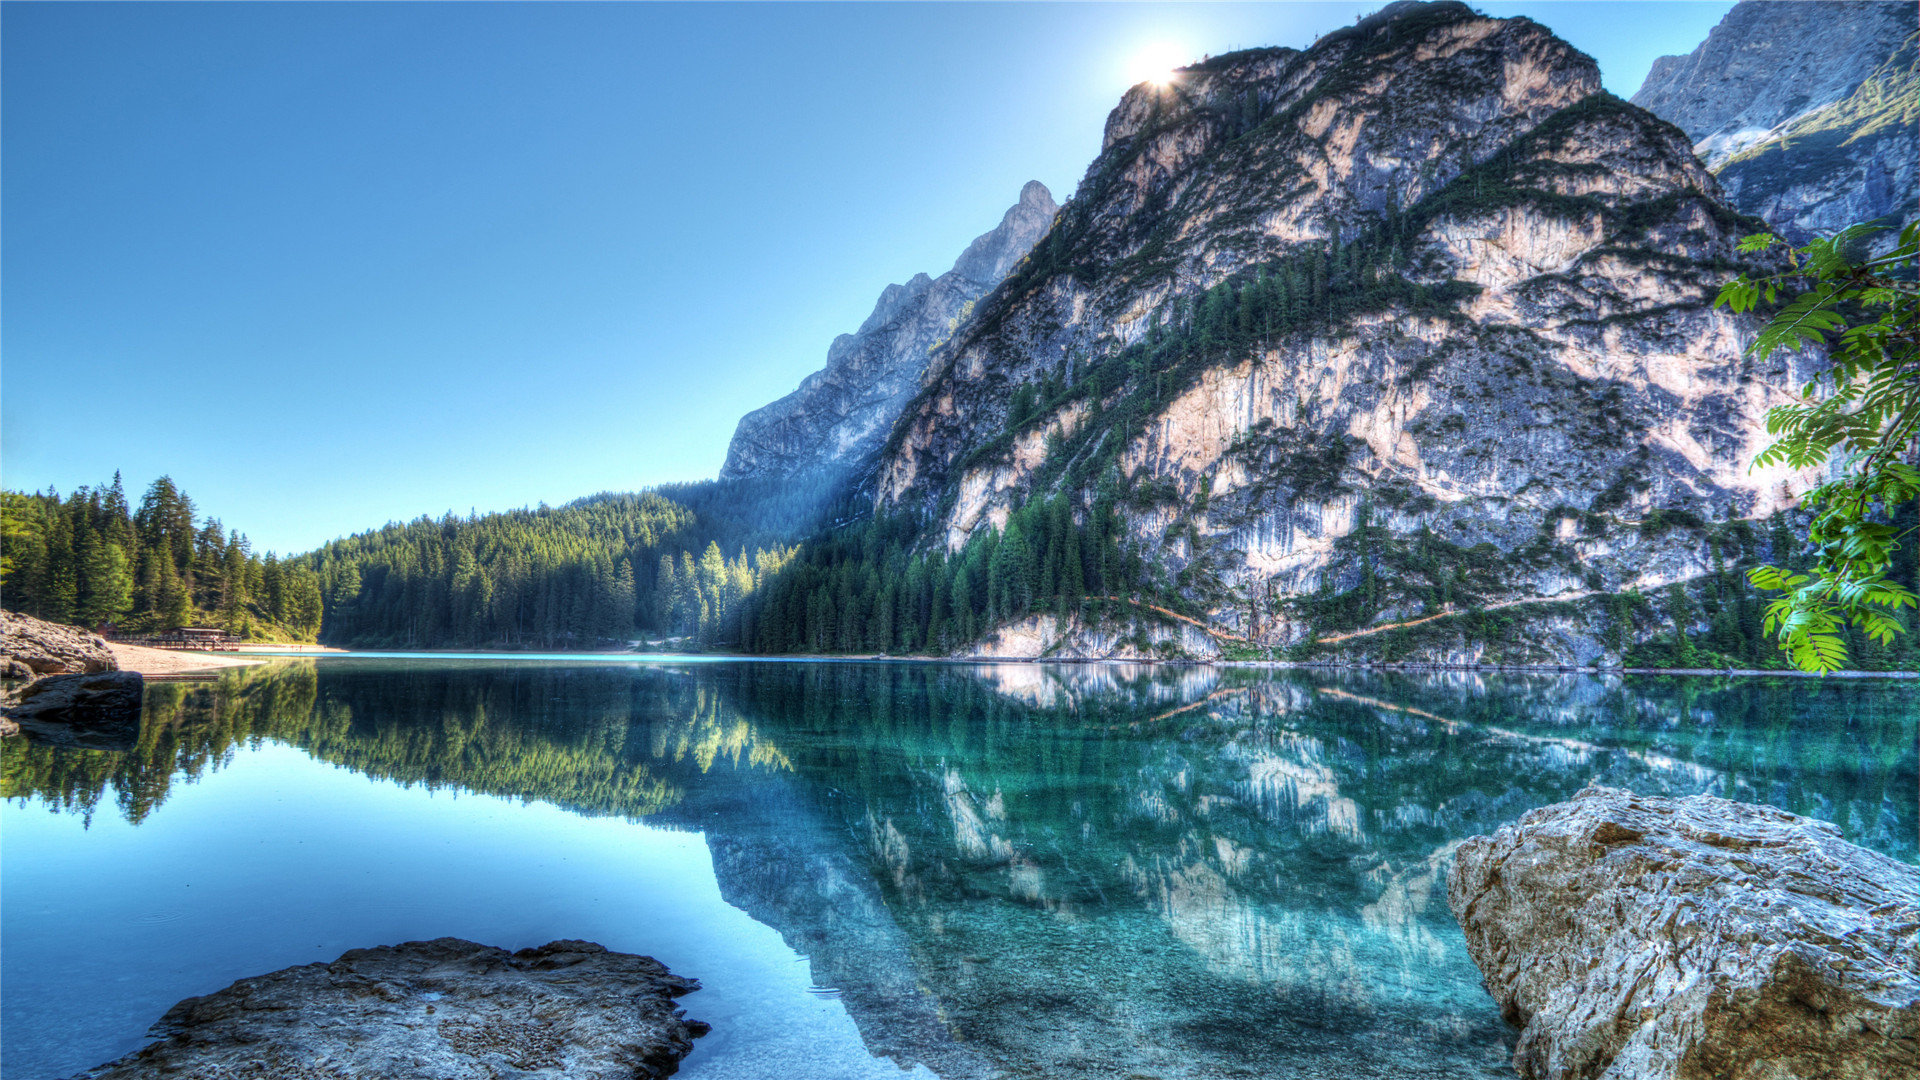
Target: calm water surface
[1005,870]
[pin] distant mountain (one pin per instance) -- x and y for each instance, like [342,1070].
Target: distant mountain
[1806,111]
[841,414]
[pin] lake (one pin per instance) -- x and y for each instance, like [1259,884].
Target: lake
[1073,870]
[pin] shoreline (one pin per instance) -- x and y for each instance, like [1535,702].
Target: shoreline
[299,648]
[1547,669]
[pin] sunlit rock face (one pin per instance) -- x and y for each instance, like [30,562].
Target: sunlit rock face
[1806,111]
[1562,377]
[841,413]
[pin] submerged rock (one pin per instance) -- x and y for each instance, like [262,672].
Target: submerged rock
[1643,938]
[445,1009]
[100,710]
[30,646]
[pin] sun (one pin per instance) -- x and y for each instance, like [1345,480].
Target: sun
[1154,63]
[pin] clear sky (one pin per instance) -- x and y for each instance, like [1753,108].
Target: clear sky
[334,265]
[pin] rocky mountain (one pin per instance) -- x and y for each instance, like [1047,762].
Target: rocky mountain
[1806,111]
[840,414]
[1411,323]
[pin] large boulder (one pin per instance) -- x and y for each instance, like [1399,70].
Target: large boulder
[445,1009]
[99,710]
[30,646]
[1647,938]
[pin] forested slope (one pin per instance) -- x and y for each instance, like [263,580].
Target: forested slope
[679,561]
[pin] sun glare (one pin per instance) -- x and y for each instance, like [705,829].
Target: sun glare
[1154,63]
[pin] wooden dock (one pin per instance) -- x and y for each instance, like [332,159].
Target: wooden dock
[187,638]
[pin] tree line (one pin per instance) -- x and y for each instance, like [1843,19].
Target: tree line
[594,572]
[90,559]
[871,587]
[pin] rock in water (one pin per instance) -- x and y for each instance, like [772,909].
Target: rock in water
[444,1009]
[99,711]
[1646,938]
[45,648]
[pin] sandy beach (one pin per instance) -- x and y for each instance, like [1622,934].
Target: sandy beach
[173,661]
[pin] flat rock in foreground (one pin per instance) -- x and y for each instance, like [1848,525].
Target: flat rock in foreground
[1646,938]
[445,1009]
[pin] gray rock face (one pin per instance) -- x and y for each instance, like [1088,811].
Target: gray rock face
[1806,111]
[445,1009]
[1646,938]
[99,710]
[45,648]
[1521,379]
[841,414]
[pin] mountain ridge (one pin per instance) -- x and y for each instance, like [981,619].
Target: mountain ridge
[839,415]
[1806,112]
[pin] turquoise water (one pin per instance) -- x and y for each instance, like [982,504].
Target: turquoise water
[1001,870]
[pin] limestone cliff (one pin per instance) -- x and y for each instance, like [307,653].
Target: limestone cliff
[1416,320]
[840,414]
[1806,111]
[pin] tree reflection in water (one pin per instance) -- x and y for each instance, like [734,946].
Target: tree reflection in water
[1091,870]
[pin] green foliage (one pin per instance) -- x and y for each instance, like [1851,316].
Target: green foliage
[1866,405]
[90,559]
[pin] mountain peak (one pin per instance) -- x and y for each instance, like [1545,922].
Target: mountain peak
[1422,280]
[1765,64]
[1804,111]
[840,414]
[992,255]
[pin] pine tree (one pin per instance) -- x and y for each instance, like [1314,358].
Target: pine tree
[110,581]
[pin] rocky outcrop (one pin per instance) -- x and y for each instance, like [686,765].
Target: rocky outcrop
[1645,938]
[1419,316]
[1806,111]
[100,710]
[30,646]
[840,414]
[445,1009]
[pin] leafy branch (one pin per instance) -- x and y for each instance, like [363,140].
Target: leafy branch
[1866,406]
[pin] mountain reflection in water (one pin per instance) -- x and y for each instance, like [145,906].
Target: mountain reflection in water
[1072,870]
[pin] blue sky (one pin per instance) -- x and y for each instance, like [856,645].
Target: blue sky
[334,265]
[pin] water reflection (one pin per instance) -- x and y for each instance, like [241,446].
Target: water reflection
[1079,870]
